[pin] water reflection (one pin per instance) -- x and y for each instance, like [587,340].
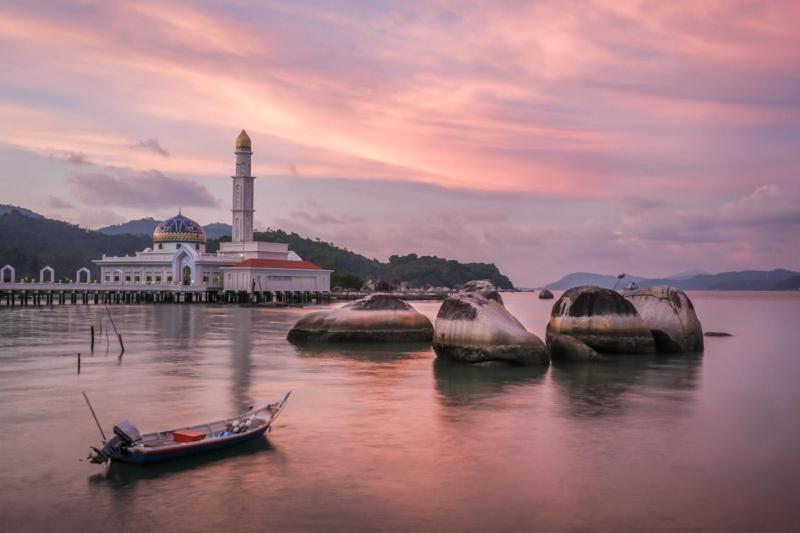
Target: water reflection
[611,387]
[241,358]
[177,332]
[459,383]
[377,353]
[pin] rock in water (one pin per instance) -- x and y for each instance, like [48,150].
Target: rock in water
[544,294]
[670,316]
[474,326]
[567,348]
[602,319]
[484,287]
[375,318]
[717,334]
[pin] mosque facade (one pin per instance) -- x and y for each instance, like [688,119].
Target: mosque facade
[179,257]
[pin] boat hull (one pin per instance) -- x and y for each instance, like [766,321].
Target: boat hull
[186,450]
[129,446]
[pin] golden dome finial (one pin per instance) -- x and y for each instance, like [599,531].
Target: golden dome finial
[243,142]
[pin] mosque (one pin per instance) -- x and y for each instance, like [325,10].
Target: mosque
[179,256]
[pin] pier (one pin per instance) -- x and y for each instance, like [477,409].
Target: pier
[35,294]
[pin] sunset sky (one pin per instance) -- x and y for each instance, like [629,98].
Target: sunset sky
[547,137]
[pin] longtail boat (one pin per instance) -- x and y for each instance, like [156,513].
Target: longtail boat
[129,446]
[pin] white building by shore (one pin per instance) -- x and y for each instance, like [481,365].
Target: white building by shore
[179,257]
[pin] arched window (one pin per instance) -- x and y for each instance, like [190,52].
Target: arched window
[237,195]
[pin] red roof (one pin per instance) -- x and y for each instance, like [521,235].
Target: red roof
[276,263]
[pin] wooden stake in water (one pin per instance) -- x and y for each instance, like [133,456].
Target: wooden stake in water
[92,338]
[119,336]
[79,363]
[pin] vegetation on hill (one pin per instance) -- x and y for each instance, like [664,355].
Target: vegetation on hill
[352,269]
[31,243]
[437,272]
[28,244]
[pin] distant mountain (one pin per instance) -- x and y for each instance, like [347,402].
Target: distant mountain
[790,284]
[5,208]
[140,226]
[215,230]
[748,280]
[146,226]
[577,279]
[688,274]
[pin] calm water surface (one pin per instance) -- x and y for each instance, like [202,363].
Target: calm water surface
[391,438]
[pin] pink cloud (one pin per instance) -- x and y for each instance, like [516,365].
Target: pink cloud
[607,99]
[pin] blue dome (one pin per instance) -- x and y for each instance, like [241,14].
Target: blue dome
[179,229]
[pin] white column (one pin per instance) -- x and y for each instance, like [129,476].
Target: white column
[242,206]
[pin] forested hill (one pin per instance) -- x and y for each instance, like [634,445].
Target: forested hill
[29,242]
[351,269]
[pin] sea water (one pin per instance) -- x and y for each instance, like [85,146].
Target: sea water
[390,438]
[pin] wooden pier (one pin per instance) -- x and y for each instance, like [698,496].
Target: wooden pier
[48,294]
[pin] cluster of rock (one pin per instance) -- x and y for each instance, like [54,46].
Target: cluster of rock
[474,326]
[589,321]
[375,318]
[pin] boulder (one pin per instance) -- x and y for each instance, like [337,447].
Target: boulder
[375,318]
[473,326]
[568,348]
[602,319]
[670,316]
[484,287]
[544,294]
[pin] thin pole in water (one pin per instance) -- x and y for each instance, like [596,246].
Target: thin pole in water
[119,335]
[94,415]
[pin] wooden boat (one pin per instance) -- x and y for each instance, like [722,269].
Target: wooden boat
[129,446]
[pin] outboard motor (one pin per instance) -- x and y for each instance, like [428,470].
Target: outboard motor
[127,432]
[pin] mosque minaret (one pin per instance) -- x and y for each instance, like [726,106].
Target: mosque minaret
[242,208]
[179,256]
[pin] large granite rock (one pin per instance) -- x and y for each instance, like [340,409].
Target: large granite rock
[545,294]
[568,348]
[473,326]
[602,319]
[670,316]
[375,318]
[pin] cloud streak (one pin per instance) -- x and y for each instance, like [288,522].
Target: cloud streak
[150,145]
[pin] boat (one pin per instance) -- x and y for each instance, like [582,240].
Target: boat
[129,446]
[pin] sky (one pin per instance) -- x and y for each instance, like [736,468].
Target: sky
[547,136]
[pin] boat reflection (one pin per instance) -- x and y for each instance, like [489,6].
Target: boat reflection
[613,386]
[459,383]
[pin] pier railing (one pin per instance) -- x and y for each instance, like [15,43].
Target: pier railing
[116,287]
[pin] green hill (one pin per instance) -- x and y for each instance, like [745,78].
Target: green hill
[28,243]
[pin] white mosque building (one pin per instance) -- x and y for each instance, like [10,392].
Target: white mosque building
[179,257]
